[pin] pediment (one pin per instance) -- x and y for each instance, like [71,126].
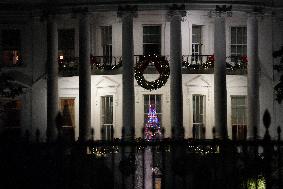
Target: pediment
[238,81]
[105,82]
[198,81]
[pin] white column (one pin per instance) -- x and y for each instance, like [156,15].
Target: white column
[253,76]
[176,93]
[128,77]
[52,79]
[220,92]
[84,79]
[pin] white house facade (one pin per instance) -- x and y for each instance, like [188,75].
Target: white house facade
[80,58]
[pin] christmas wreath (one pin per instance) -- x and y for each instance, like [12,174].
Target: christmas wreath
[161,65]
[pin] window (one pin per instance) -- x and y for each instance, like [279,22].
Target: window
[152,117]
[12,119]
[196,41]
[11,47]
[239,117]
[67,108]
[238,41]
[107,117]
[66,43]
[106,43]
[198,116]
[151,40]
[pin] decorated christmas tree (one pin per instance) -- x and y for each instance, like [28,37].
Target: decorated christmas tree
[152,129]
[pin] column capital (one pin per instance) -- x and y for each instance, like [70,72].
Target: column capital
[221,11]
[127,11]
[257,13]
[176,10]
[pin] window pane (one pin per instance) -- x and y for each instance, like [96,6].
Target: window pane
[106,42]
[196,34]
[233,35]
[233,49]
[151,40]
[67,107]
[108,109]
[66,39]
[238,40]
[11,39]
[239,110]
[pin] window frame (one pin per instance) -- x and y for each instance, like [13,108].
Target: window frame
[68,52]
[242,45]
[12,53]
[199,127]
[158,109]
[239,127]
[199,44]
[107,44]
[107,129]
[72,113]
[144,44]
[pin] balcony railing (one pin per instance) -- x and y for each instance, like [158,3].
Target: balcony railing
[105,62]
[197,62]
[206,62]
[190,63]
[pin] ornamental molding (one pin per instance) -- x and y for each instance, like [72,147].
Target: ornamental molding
[198,81]
[107,82]
[176,10]
[236,82]
[127,11]
[221,11]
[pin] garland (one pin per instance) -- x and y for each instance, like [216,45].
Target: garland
[106,63]
[161,65]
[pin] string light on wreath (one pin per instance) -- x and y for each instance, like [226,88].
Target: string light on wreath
[161,65]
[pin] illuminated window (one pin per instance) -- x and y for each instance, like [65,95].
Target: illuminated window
[66,43]
[152,117]
[11,47]
[107,117]
[239,117]
[198,116]
[152,40]
[67,108]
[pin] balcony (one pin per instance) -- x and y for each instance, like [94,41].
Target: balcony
[204,64]
[191,64]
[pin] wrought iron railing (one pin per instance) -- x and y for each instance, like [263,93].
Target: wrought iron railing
[106,62]
[197,62]
[139,58]
[203,62]
[69,66]
[140,163]
[236,62]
